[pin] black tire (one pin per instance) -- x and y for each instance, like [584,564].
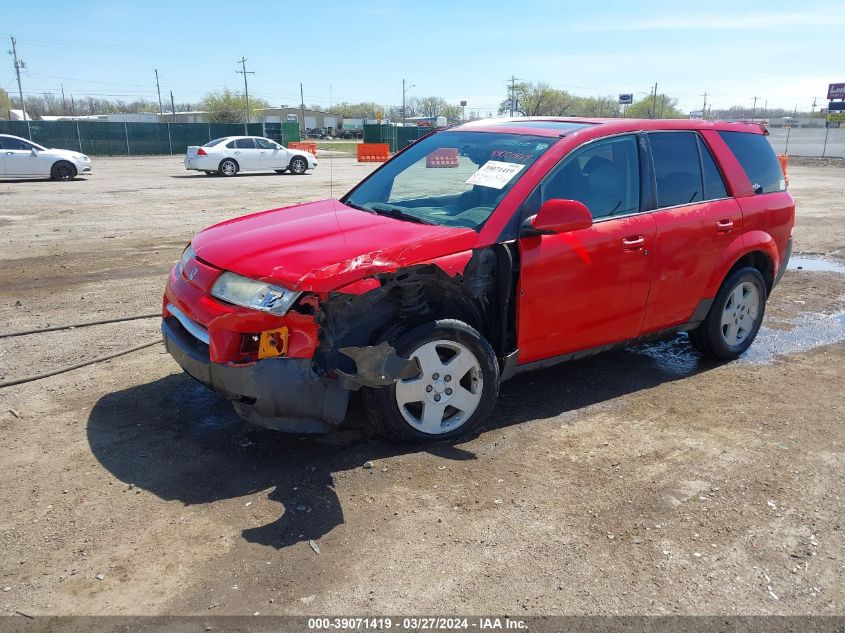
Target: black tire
[63,170]
[709,338]
[381,403]
[228,167]
[298,165]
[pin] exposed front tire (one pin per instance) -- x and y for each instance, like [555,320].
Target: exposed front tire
[734,318]
[298,165]
[63,170]
[228,167]
[452,395]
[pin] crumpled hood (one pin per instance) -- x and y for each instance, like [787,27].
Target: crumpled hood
[320,246]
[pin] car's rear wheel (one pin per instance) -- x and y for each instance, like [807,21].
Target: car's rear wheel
[63,170]
[298,165]
[228,167]
[453,393]
[735,317]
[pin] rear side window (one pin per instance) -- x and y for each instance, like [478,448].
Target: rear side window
[244,143]
[757,159]
[714,185]
[677,168]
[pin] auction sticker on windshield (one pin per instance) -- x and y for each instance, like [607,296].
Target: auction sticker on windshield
[494,174]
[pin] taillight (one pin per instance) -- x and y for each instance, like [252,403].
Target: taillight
[201,152]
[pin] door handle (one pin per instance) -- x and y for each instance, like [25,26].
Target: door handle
[725,226]
[633,242]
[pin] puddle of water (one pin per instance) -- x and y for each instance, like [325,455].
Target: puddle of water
[815,265]
[808,331]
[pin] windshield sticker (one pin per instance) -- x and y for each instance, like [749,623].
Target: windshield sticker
[495,174]
[503,153]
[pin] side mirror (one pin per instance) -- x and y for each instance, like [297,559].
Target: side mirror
[559,216]
[33,151]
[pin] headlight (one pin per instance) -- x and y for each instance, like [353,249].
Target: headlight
[187,254]
[253,294]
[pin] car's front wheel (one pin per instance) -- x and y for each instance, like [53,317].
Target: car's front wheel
[228,167]
[452,394]
[734,318]
[298,165]
[63,170]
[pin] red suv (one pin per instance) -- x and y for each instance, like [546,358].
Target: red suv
[487,249]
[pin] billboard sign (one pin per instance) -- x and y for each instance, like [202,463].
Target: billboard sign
[836,91]
[696,114]
[836,106]
[836,117]
[626,99]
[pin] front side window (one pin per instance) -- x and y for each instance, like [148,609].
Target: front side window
[15,144]
[450,178]
[758,160]
[263,143]
[677,168]
[244,143]
[604,175]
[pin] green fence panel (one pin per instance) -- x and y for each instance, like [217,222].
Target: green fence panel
[408,134]
[110,138]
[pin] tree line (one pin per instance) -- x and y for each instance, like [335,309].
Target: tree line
[524,98]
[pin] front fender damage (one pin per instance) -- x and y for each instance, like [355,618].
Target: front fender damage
[359,323]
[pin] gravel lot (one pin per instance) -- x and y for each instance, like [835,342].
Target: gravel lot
[640,481]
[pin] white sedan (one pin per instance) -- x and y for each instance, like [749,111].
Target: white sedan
[229,155]
[20,158]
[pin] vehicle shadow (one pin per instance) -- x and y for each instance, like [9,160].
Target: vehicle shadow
[40,179]
[250,174]
[179,441]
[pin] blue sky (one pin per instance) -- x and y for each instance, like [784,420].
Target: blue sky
[785,53]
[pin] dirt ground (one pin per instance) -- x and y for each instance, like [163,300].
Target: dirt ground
[640,481]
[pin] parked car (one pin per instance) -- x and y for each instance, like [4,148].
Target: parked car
[232,154]
[479,252]
[20,158]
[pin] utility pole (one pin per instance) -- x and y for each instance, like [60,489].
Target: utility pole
[64,105]
[813,110]
[173,106]
[704,107]
[654,102]
[754,110]
[19,63]
[158,88]
[513,94]
[302,109]
[245,72]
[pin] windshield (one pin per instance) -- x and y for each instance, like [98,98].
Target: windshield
[215,142]
[450,178]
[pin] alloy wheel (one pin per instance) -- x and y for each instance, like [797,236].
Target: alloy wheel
[740,313]
[446,392]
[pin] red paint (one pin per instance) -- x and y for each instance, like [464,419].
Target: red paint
[617,279]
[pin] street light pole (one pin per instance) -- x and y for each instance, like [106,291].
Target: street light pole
[404,90]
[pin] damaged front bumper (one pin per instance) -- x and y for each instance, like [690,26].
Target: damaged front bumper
[280,393]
